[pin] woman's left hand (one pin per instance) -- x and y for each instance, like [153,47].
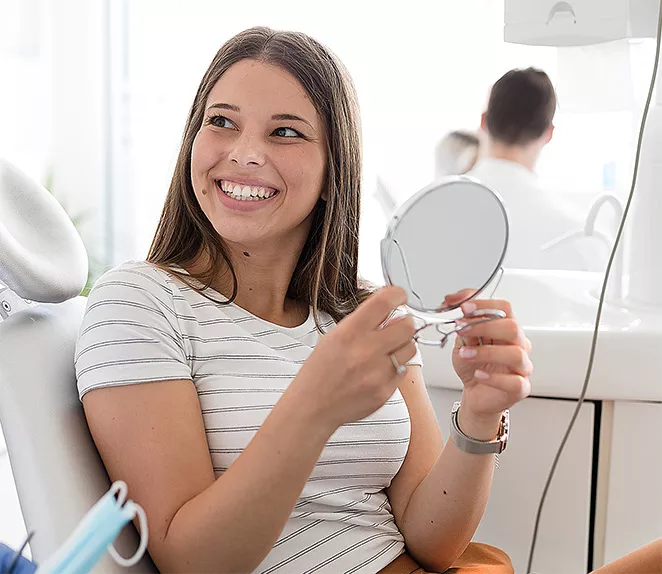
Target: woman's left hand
[495,374]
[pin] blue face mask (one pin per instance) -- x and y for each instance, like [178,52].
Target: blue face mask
[96,532]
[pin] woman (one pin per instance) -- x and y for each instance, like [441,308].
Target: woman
[260,443]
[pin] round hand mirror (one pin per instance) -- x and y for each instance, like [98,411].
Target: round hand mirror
[449,239]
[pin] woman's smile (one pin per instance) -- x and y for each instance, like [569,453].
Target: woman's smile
[240,197]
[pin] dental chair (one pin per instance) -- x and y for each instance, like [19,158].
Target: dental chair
[57,470]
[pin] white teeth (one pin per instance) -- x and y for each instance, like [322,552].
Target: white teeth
[245,192]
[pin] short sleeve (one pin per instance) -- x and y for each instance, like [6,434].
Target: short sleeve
[417,359]
[130,332]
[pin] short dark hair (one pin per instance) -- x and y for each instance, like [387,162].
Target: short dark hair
[521,106]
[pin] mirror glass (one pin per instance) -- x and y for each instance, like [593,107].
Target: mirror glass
[448,237]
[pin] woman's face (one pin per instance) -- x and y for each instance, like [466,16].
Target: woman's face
[258,162]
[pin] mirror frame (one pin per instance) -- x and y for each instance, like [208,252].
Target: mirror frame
[386,244]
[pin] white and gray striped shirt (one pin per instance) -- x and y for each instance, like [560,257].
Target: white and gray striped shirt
[143,324]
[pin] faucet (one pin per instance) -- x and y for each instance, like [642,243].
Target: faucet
[615,287]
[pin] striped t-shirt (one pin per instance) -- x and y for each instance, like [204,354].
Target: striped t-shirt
[142,324]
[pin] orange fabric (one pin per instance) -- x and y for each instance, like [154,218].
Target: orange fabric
[476,559]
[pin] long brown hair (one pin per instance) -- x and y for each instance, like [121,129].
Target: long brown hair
[326,275]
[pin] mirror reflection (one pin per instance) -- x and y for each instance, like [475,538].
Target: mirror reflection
[431,248]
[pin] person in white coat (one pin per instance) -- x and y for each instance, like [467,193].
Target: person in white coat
[518,125]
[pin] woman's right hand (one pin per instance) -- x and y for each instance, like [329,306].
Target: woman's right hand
[350,374]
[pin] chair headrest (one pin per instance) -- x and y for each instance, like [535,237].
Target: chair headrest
[42,257]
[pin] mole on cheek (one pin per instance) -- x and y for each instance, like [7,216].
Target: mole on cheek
[204,191]
[247,254]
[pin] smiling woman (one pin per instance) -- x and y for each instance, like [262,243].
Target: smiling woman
[265,408]
[250,151]
[261,127]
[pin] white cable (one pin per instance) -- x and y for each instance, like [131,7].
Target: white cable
[598,316]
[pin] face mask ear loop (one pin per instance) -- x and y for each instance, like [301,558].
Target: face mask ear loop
[119,488]
[144,536]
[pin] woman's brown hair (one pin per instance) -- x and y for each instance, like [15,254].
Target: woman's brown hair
[326,275]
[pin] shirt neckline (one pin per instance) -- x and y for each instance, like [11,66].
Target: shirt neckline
[296,331]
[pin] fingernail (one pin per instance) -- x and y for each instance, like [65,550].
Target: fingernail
[467,352]
[469,307]
[482,375]
[463,326]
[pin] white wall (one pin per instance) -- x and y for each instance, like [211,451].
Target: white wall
[25,102]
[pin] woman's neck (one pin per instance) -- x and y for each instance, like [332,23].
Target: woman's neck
[263,279]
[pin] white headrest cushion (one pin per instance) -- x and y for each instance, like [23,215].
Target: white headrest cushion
[42,257]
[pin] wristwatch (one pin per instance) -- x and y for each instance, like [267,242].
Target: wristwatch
[471,445]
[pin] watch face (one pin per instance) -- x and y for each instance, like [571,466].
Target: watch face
[504,430]
[505,423]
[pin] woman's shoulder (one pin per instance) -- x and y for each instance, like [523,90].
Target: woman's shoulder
[143,285]
[134,275]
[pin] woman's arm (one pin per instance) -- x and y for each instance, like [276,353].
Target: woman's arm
[647,559]
[439,496]
[152,436]
[440,493]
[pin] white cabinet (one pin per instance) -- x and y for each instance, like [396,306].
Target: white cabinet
[537,427]
[634,507]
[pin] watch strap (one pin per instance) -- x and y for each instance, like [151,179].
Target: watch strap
[474,446]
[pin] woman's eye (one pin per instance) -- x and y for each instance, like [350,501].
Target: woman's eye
[286,133]
[220,122]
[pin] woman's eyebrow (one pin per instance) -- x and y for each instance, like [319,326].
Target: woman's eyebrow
[224,106]
[291,117]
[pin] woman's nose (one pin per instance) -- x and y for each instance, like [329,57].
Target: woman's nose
[248,151]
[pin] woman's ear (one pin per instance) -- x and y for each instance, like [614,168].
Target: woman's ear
[324,195]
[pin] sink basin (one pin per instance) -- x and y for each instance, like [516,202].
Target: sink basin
[561,300]
[557,310]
